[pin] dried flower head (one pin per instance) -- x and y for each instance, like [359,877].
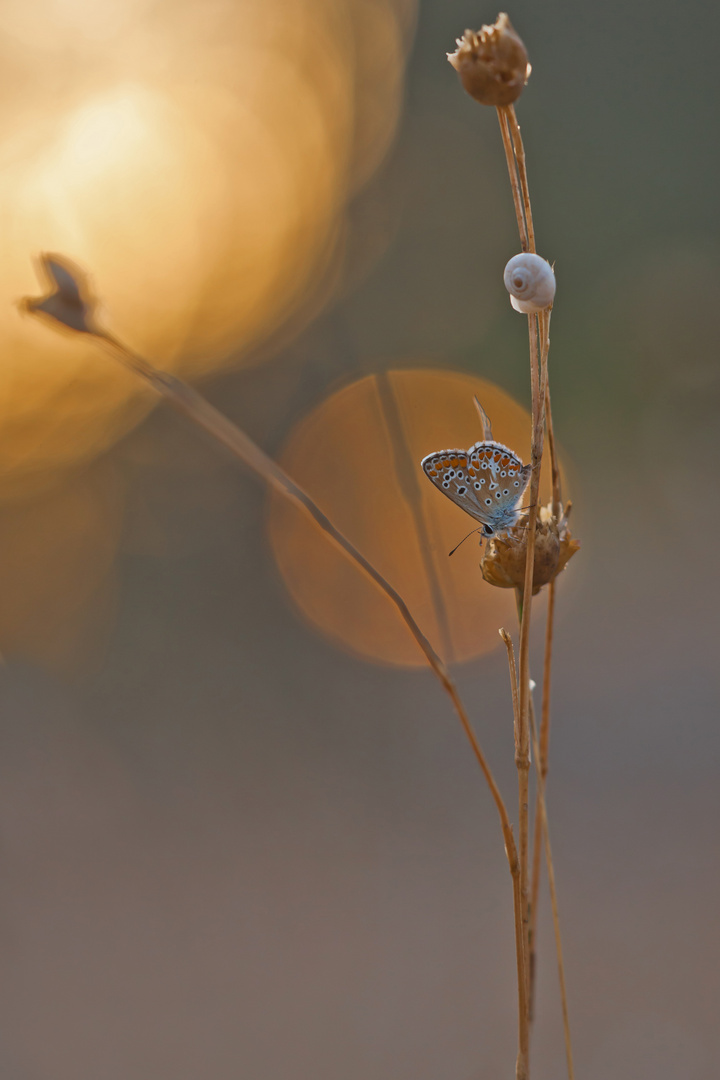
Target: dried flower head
[492,63]
[69,301]
[503,561]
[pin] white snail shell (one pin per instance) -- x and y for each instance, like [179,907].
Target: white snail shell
[530,281]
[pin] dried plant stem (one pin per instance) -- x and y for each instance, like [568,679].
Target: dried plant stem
[541,766]
[542,757]
[541,825]
[520,905]
[522,763]
[541,763]
[553,902]
[519,151]
[503,119]
[556,489]
[537,384]
[515,155]
[539,333]
[187,401]
[549,430]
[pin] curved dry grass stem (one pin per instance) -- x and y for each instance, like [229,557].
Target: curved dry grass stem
[188,401]
[70,304]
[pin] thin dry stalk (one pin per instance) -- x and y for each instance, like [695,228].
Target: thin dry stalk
[502,112]
[187,401]
[520,906]
[539,327]
[541,765]
[522,763]
[553,904]
[524,648]
[542,761]
[521,199]
[519,151]
[549,430]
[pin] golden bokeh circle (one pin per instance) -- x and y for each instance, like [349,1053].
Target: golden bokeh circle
[197,162]
[358,455]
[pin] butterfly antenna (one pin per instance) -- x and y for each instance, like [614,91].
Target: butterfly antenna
[462,541]
[485,421]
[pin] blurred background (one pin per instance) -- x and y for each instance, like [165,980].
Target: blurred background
[242,833]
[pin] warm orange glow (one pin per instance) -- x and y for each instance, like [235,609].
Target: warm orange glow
[358,454]
[56,570]
[197,160]
[103,134]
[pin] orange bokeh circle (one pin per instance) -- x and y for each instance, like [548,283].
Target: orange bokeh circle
[358,454]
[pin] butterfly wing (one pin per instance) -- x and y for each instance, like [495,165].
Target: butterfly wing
[502,478]
[449,471]
[486,481]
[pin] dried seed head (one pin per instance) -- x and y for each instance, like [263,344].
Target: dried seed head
[503,562]
[69,301]
[492,63]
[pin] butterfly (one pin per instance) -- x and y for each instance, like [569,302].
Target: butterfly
[487,480]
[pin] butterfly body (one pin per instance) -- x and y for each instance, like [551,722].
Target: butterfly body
[487,481]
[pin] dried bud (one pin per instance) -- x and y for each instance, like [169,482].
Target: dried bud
[503,562]
[69,301]
[492,64]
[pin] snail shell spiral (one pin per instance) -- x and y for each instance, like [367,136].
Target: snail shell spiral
[530,281]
